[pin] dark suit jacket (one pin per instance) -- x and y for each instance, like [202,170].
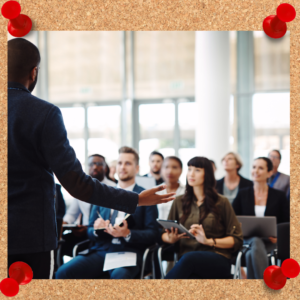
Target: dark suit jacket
[38,147]
[277,204]
[143,234]
[243,184]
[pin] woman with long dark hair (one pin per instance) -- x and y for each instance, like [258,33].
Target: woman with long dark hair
[211,219]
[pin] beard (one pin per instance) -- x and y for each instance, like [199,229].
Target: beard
[126,178]
[156,172]
[98,176]
[32,86]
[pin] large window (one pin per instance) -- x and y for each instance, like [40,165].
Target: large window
[157,123]
[84,66]
[104,123]
[164,64]
[271,62]
[271,120]
[89,74]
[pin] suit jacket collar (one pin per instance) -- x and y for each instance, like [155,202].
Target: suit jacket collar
[17,85]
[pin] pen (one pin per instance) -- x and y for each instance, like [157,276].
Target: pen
[99,215]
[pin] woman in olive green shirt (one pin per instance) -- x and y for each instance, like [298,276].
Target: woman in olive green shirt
[211,219]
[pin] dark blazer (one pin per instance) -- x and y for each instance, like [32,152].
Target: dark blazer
[143,234]
[38,147]
[60,204]
[277,204]
[243,184]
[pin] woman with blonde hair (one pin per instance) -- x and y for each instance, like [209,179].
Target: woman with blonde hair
[230,185]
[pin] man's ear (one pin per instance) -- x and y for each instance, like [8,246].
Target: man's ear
[33,74]
[137,169]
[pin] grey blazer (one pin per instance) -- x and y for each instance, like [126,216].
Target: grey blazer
[282,183]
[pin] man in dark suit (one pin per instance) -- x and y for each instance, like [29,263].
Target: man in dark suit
[156,160]
[134,237]
[38,148]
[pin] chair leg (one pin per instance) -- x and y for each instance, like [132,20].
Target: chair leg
[144,262]
[153,265]
[58,257]
[272,260]
[160,263]
[237,273]
[279,262]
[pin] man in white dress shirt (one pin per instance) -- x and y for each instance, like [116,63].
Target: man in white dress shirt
[97,169]
[134,236]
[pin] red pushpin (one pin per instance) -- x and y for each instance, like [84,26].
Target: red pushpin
[20,273]
[290,268]
[275,26]
[19,24]
[9,287]
[274,278]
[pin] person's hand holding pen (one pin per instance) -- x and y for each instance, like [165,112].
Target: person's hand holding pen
[100,222]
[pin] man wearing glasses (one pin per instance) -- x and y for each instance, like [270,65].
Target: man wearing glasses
[97,169]
[278,180]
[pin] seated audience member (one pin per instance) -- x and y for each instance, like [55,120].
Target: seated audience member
[97,169]
[155,162]
[278,181]
[211,219]
[260,200]
[233,181]
[171,171]
[213,165]
[112,171]
[137,238]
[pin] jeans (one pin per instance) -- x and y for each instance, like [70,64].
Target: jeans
[257,256]
[201,265]
[91,267]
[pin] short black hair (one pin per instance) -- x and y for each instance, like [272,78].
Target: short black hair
[277,152]
[175,158]
[156,153]
[106,165]
[22,57]
[98,155]
[268,161]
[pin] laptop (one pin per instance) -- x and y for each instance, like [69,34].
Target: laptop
[258,226]
[145,182]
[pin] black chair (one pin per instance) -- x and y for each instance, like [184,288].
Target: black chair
[283,244]
[167,252]
[148,268]
[59,260]
[239,261]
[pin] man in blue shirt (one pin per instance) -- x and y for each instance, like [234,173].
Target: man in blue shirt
[134,237]
[38,147]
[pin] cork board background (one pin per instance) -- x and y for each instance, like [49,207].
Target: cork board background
[87,15]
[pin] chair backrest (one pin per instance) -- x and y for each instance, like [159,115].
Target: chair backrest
[283,241]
